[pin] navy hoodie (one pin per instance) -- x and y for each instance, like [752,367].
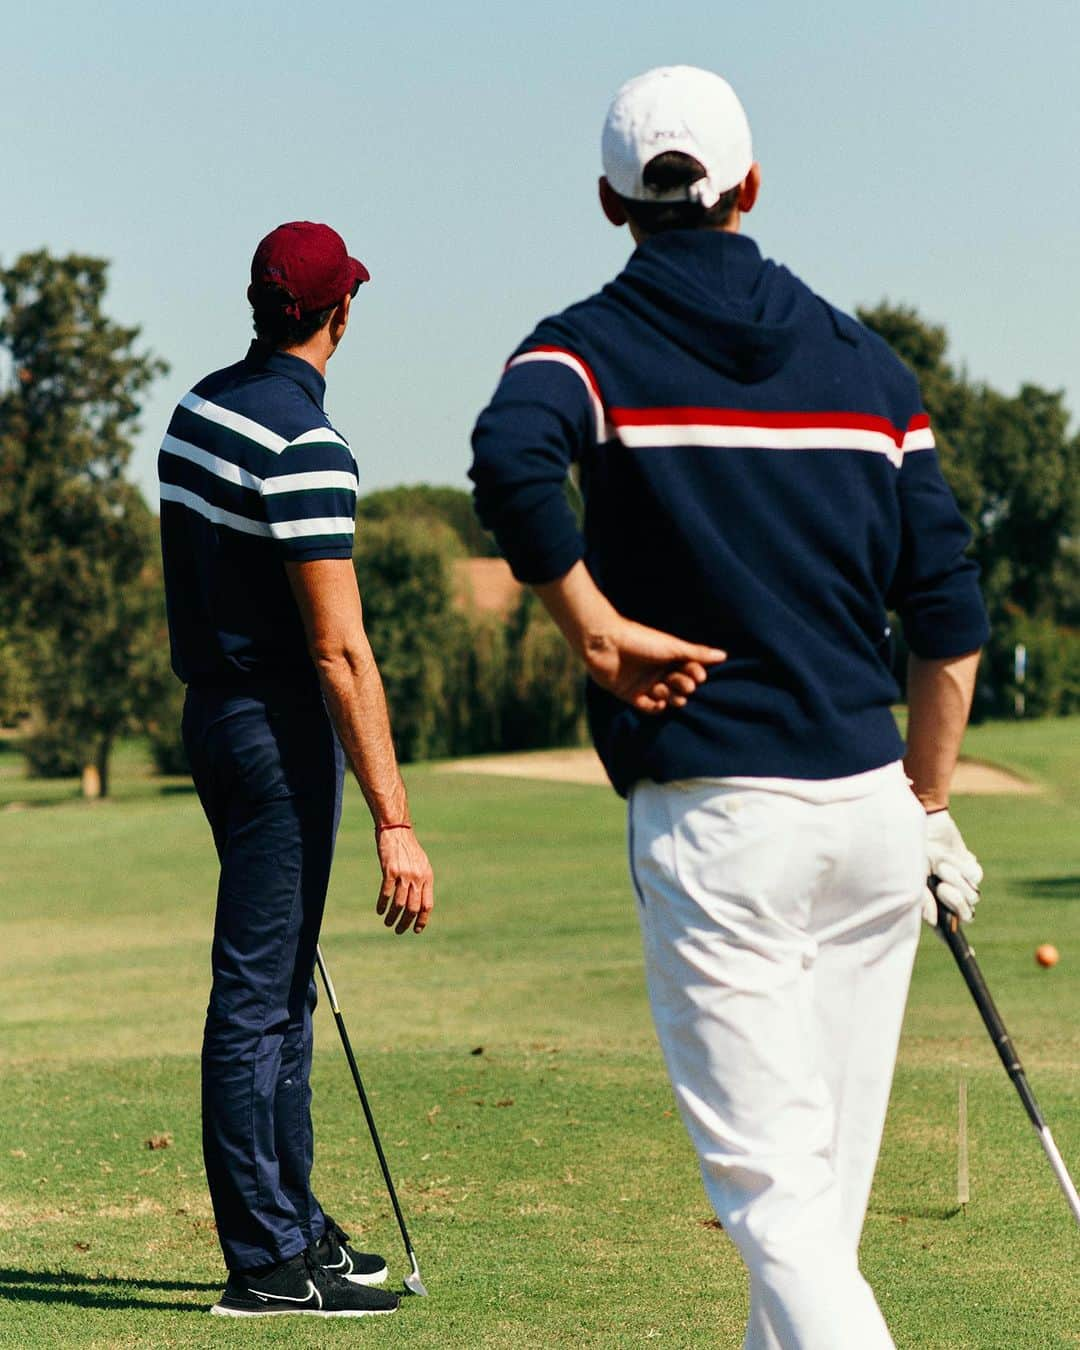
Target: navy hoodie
[759,475]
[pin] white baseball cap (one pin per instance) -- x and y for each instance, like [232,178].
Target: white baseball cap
[676,108]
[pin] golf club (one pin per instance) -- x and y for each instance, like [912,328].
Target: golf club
[413,1283]
[949,927]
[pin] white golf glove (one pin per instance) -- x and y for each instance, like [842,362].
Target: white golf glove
[957,869]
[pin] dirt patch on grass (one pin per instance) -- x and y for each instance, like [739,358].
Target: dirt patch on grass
[14,1216]
[556,766]
[972,777]
[133,1210]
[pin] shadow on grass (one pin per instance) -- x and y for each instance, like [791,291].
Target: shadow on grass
[18,804]
[904,1212]
[14,804]
[98,1291]
[1052,888]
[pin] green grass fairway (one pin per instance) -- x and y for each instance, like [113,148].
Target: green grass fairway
[552,1196]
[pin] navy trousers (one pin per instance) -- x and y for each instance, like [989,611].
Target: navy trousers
[268,768]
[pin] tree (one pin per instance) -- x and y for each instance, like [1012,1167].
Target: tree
[444,505]
[544,701]
[14,681]
[157,692]
[77,541]
[1027,512]
[420,639]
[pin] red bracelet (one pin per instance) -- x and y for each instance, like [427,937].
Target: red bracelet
[401,825]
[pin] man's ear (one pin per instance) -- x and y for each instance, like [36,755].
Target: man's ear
[610,203]
[749,189]
[339,319]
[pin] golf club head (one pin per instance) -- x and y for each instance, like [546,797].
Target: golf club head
[413,1283]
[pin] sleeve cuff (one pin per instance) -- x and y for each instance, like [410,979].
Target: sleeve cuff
[317,553]
[940,643]
[538,568]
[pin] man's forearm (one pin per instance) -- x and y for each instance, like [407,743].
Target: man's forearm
[357,705]
[329,604]
[580,609]
[939,701]
[328,600]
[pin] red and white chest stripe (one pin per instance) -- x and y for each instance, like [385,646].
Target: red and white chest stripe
[736,428]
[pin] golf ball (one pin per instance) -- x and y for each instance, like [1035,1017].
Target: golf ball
[1047,954]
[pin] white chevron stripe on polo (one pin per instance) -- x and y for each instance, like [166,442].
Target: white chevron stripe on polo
[278,529]
[234,421]
[321,436]
[220,468]
[309,482]
[303,529]
[217,515]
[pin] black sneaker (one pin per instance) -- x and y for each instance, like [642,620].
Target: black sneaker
[333,1253]
[300,1285]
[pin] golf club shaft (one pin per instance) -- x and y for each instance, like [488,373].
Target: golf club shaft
[950,929]
[331,994]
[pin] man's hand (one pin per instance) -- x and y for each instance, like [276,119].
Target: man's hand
[646,668]
[956,868]
[407,893]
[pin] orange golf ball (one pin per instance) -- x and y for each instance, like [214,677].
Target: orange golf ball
[1047,954]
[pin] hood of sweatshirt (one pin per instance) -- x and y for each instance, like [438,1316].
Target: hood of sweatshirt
[711,293]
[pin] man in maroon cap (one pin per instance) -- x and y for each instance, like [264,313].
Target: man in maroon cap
[258,500]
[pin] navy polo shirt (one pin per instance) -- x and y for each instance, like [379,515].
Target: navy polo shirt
[252,475]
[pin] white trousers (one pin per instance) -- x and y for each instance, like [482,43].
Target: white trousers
[779,935]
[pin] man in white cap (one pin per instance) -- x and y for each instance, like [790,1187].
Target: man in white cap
[761,491]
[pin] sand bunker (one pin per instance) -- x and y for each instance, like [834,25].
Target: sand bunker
[972,777]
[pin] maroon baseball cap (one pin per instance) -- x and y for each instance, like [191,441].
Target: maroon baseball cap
[310,263]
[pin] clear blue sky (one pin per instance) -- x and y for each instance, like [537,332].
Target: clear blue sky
[923,152]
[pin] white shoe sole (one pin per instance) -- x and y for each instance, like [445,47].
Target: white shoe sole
[218,1311]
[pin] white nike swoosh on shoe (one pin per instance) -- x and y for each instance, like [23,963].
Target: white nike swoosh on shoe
[373,1277]
[286,1298]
